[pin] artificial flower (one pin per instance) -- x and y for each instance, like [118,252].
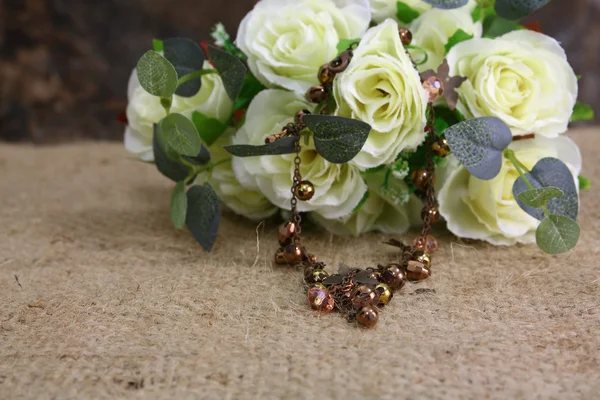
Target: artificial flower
[339,188]
[487,210]
[522,78]
[286,41]
[382,88]
[144,110]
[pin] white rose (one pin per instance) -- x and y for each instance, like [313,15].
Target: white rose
[241,200]
[384,9]
[522,78]
[432,30]
[287,41]
[487,210]
[382,88]
[144,110]
[338,188]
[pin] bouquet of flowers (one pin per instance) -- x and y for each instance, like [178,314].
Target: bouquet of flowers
[369,89]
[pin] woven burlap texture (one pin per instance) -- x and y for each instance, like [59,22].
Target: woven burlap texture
[100,297]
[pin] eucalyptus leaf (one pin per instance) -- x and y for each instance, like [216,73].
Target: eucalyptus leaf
[538,198]
[231,69]
[209,128]
[202,158]
[550,172]
[282,146]
[170,168]
[180,134]
[156,75]
[557,234]
[187,57]
[179,203]
[446,4]
[494,26]
[337,139]
[478,144]
[203,214]
[517,9]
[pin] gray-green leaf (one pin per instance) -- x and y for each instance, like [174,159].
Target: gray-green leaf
[203,214]
[187,57]
[446,4]
[539,197]
[517,9]
[170,168]
[337,139]
[231,69]
[156,75]
[478,144]
[557,234]
[550,172]
[180,134]
[179,203]
[281,146]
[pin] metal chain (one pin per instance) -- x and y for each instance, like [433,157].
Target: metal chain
[430,201]
[297,178]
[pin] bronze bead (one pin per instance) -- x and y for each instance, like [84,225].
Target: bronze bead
[393,276]
[384,292]
[273,138]
[367,316]
[340,63]
[305,191]
[326,75]
[318,285]
[434,87]
[364,295]
[428,244]
[316,94]
[320,299]
[298,117]
[441,148]
[433,213]
[318,276]
[405,36]
[286,234]
[279,259]
[292,253]
[420,177]
[417,271]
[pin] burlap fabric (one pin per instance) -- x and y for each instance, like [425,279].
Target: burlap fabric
[101,298]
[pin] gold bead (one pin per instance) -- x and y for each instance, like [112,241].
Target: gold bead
[393,276]
[433,213]
[367,316]
[423,257]
[441,148]
[320,299]
[364,295]
[326,75]
[286,234]
[405,36]
[384,292]
[316,94]
[318,276]
[434,87]
[417,271]
[305,191]
[341,62]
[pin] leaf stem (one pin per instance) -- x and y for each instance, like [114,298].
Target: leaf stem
[194,75]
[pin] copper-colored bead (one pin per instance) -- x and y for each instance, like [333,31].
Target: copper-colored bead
[367,316]
[318,276]
[273,138]
[433,213]
[316,94]
[341,62]
[428,244]
[375,274]
[423,258]
[384,292]
[434,87]
[417,271]
[292,253]
[441,148]
[320,299]
[305,191]
[364,295]
[420,177]
[326,75]
[405,36]
[318,285]
[393,276]
[298,117]
[286,234]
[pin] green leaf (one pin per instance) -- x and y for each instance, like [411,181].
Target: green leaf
[180,134]
[459,36]
[584,183]
[209,128]
[203,214]
[446,4]
[157,45]
[405,13]
[232,71]
[201,158]
[337,139]
[282,146]
[494,26]
[166,160]
[517,9]
[538,198]
[344,44]
[362,202]
[478,144]
[250,89]
[550,172]
[187,57]
[179,204]
[582,112]
[156,75]
[476,14]
[557,234]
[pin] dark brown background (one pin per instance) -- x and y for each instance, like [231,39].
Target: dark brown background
[64,64]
